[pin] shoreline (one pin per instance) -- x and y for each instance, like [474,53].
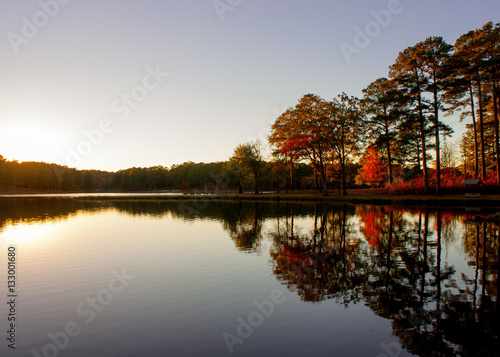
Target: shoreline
[455,200]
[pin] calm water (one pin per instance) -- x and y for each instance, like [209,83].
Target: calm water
[247,279]
[94,194]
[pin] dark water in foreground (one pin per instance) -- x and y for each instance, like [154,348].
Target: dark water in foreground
[198,278]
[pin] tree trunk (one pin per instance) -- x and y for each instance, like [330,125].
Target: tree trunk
[497,139]
[344,189]
[324,184]
[418,156]
[465,166]
[324,180]
[422,138]
[474,127]
[481,129]
[438,151]
[316,188]
[388,146]
[342,167]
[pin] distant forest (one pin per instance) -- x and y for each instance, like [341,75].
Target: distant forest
[189,176]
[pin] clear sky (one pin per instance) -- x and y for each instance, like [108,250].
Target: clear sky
[70,67]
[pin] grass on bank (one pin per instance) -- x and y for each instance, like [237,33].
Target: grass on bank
[367,196]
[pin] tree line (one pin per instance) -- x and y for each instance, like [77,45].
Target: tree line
[212,177]
[402,116]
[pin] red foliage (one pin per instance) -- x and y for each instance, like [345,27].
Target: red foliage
[373,169]
[491,180]
[295,143]
[451,182]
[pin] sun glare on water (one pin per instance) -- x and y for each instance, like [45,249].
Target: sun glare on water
[26,233]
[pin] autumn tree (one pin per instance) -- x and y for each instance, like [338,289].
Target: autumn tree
[447,155]
[478,53]
[460,92]
[433,55]
[277,167]
[383,105]
[410,77]
[299,131]
[373,169]
[465,150]
[407,146]
[489,41]
[248,162]
[343,130]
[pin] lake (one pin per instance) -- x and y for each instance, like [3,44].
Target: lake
[217,278]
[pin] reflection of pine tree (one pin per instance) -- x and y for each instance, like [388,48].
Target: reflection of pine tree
[320,265]
[401,275]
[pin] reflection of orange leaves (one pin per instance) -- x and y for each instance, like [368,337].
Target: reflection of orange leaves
[295,255]
[372,226]
[448,218]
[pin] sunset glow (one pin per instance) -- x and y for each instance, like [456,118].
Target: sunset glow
[34,142]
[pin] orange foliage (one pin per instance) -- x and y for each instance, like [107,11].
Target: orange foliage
[373,169]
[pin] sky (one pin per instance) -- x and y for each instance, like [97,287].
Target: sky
[115,84]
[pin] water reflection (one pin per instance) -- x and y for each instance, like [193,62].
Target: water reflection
[397,268]
[41,210]
[432,272]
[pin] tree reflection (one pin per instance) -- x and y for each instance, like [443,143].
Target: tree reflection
[399,268]
[396,261]
[34,210]
[244,226]
[321,264]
